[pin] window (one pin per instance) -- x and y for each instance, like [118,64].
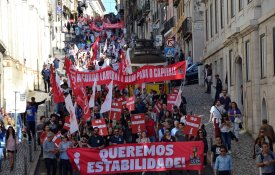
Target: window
[274,51]
[221,11]
[206,24]
[232,8]
[216,16]
[211,20]
[227,11]
[247,59]
[263,55]
[231,67]
[240,5]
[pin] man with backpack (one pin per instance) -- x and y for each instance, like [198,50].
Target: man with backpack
[265,161]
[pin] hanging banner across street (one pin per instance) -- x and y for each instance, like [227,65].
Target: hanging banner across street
[162,156]
[144,74]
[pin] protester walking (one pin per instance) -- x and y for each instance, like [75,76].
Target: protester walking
[64,159]
[49,154]
[223,164]
[46,77]
[11,143]
[266,160]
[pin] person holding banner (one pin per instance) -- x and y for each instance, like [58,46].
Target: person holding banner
[143,138]
[95,140]
[64,159]
[117,139]
[201,136]
[150,128]
[49,154]
[168,137]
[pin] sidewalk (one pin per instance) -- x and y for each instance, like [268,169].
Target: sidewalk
[27,157]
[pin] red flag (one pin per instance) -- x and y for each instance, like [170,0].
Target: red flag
[56,90]
[82,100]
[131,103]
[79,90]
[122,64]
[67,123]
[43,137]
[95,48]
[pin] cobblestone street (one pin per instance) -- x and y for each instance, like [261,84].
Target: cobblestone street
[200,103]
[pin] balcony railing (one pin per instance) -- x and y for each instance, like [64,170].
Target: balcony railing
[169,24]
[187,27]
[176,3]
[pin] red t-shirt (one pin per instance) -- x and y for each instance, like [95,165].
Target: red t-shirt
[150,127]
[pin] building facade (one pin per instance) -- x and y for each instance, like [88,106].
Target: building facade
[25,43]
[240,45]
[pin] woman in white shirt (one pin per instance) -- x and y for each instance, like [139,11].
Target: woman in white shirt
[143,138]
[216,112]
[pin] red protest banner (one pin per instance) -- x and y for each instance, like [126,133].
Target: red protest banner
[116,110]
[192,125]
[157,108]
[158,156]
[101,124]
[56,139]
[171,100]
[175,91]
[144,74]
[122,100]
[138,123]
[117,25]
[130,103]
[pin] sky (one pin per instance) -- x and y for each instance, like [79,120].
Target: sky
[109,6]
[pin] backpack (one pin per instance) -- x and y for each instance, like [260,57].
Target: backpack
[270,154]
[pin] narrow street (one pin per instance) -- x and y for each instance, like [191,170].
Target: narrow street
[199,103]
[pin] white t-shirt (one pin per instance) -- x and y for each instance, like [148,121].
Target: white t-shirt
[173,131]
[216,111]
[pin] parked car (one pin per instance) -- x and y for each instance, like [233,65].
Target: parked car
[192,75]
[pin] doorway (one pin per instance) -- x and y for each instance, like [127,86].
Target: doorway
[239,83]
[264,110]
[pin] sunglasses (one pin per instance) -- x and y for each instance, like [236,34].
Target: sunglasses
[116,131]
[222,151]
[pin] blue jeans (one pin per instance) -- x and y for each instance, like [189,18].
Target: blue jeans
[226,139]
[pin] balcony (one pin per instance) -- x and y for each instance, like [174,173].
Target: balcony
[187,27]
[146,8]
[163,1]
[176,3]
[169,24]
